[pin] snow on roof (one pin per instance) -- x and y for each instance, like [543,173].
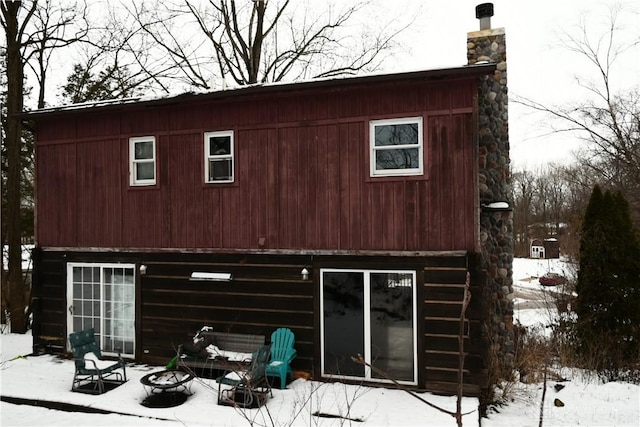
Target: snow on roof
[478,69]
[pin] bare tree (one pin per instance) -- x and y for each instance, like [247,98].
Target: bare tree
[117,60]
[14,30]
[262,40]
[523,199]
[608,120]
[32,31]
[54,25]
[550,201]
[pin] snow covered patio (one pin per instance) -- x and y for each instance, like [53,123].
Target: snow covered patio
[46,381]
[39,380]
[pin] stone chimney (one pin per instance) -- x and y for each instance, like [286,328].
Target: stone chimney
[495,194]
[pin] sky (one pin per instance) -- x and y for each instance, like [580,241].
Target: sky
[538,66]
[585,400]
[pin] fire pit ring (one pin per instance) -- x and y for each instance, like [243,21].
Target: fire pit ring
[166,388]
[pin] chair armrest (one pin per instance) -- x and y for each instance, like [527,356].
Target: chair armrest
[95,365]
[222,379]
[100,371]
[291,354]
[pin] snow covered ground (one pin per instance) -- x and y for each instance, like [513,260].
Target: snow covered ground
[48,378]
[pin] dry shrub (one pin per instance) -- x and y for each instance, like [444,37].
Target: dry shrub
[532,354]
[528,364]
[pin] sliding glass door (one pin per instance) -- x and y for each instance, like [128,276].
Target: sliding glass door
[371,313]
[102,296]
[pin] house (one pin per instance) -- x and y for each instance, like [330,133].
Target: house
[545,248]
[350,210]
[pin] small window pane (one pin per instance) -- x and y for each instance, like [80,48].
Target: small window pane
[397,159]
[403,134]
[144,171]
[219,145]
[87,274]
[219,170]
[144,150]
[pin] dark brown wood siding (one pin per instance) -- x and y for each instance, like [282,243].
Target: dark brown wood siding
[302,174]
[267,292]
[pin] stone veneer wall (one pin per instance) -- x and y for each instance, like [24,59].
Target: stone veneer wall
[496,219]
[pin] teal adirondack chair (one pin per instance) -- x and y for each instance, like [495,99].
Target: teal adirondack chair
[282,353]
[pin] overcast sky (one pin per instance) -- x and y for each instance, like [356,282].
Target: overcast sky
[538,66]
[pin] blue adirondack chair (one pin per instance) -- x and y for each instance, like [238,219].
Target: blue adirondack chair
[282,353]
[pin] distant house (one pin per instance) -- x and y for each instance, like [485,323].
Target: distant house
[349,210]
[545,248]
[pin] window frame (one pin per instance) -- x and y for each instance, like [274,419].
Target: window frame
[133,162]
[374,172]
[208,156]
[367,272]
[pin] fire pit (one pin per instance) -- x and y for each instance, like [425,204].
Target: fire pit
[167,388]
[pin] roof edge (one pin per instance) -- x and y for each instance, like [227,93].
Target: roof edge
[478,69]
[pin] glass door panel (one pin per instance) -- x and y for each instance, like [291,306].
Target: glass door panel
[343,314]
[119,296]
[85,311]
[391,324]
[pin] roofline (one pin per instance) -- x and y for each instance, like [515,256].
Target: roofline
[260,89]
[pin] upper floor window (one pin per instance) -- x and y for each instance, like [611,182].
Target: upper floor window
[142,155]
[218,156]
[396,147]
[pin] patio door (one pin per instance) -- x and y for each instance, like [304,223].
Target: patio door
[102,296]
[372,313]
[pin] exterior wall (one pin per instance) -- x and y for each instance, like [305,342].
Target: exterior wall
[496,219]
[302,174]
[302,188]
[267,292]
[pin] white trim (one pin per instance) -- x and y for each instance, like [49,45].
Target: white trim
[224,157]
[133,161]
[373,149]
[367,324]
[102,317]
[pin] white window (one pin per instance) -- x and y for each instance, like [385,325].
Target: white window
[102,296]
[396,147]
[372,313]
[142,155]
[218,157]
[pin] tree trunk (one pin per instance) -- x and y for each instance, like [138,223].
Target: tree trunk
[15,76]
